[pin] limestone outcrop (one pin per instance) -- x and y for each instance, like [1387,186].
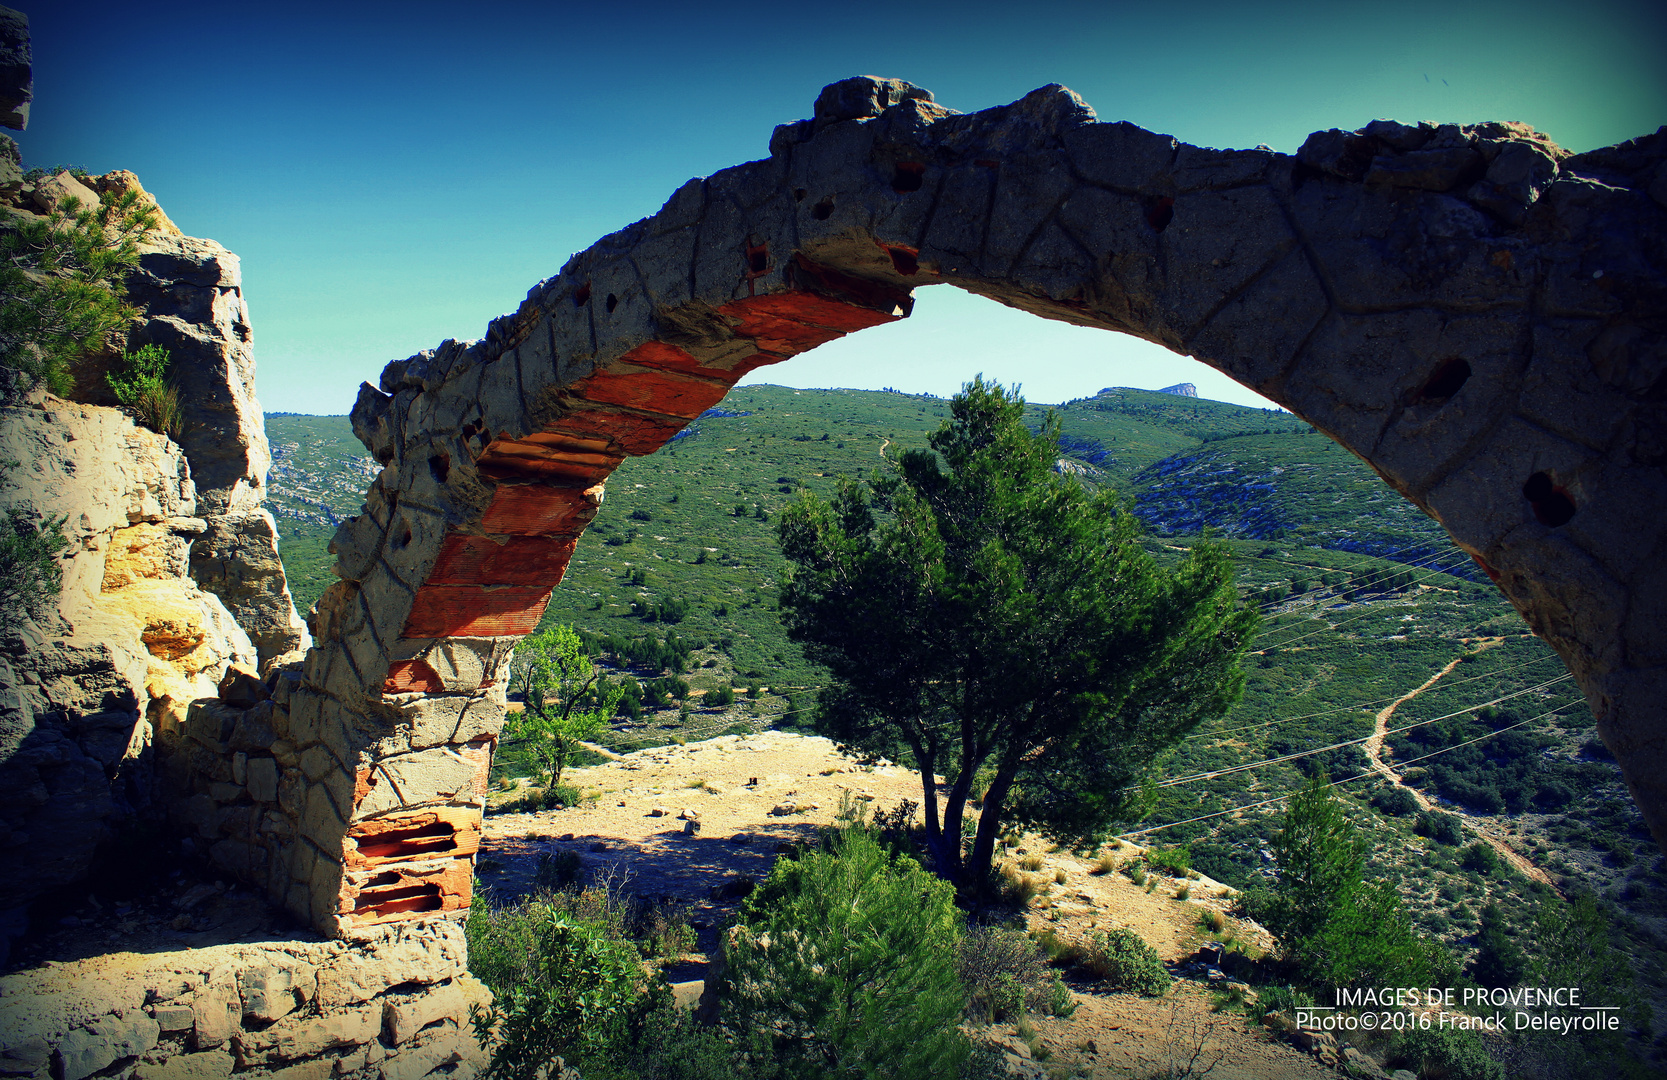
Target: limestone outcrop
[171,565]
[131,642]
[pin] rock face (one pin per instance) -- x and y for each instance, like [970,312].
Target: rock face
[160,571]
[132,641]
[1472,310]
[1183,389]
[16,70]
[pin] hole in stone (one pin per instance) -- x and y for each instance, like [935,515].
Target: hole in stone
[402,539]
[385,457]
[758,258]
[390,901]
[430,839]
[391,877]
[823,210]
[904,261]
[1160,213]
[613,302]
[1447,379]
[439,466]
[581,295]
[799,194]
[908,177]
[1552,504]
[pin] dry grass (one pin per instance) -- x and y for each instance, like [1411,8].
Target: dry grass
[1184,892]
[1032,863]
[1105,864]
[1059,877]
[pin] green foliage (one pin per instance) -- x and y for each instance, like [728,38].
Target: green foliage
[1175,860]
[1125,961]
[59,280]
[1573,945]
[1335,928]
[1003,614]
[1447,1053]
[1006,975]
[562,705]
[719,697]
[1395,800]
[1499,962]
[563,986]
[1480,857]
[144,388]
[1440,827]
[847,957]
[30,575]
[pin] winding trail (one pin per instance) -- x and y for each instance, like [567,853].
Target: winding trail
[1374,755]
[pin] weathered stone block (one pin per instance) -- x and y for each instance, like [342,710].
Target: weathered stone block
[302,1036]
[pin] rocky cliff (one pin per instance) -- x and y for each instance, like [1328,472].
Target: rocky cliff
[171,575]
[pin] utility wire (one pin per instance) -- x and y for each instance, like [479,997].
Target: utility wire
[1328,627]
[1247,766]
[1350,780]
[1365,704]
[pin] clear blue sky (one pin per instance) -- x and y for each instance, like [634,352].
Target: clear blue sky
[395,174]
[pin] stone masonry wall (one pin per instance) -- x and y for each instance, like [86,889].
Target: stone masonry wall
[394,1006]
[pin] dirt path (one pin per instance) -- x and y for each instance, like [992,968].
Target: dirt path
[1374,754]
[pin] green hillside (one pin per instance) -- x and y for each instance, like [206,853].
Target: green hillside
[684,547]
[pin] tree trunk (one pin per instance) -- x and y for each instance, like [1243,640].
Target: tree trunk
[989,825]
[942,854]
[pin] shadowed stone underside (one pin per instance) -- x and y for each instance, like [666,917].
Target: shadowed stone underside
[1471,310]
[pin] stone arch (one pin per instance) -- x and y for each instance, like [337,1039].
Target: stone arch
[1472,311]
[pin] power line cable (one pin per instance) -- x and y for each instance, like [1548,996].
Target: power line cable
[1247,766]
[1350,780]
[1365,704]
[1288,642]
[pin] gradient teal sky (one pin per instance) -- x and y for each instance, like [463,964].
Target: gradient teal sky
[396,174]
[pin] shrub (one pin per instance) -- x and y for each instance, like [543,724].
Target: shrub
[1136,872]
[1480,857]
[558,870]
[1440,827]
[1105,864]
[30,576]
[719,696]
[1213,921]
[58,278]
[847,957]
[563,986]
[143,387]
[1005,975]
[1396,801]
[1176,860]
[1451,1054]
[1123,959]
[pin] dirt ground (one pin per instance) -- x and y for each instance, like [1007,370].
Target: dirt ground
[742,789]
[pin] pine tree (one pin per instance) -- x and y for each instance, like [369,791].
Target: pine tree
[978,609]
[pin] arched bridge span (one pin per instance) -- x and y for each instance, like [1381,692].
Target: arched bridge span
[1472,311]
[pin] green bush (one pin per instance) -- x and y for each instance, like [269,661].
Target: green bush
[1174,860]
[847,957]
[58,278]
[1006,975]
[1396,801]
[719,697]
[564,987]
[1480,857]
[1122,958]
[1450,1054]
[30,576]
[143,387]
[1440,827]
